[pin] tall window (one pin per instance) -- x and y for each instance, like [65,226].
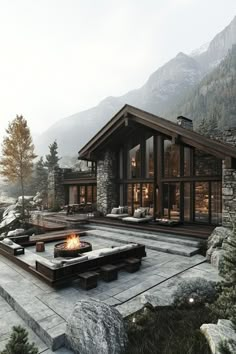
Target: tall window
[136,195]
[149,160]
[94,194]
[216,203]
[129,198]
[202,201]
[134,162]
[207,165]
[187,161]
[73,195]
[171,200]
[147,195]
[89,194]
[82,194]
[171,159]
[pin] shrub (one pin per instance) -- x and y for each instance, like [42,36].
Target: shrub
[168,330]
[195,291]
[18,343]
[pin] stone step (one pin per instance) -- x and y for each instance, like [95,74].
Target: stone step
[9,318]
[156,245]
[46,324]
[152,235]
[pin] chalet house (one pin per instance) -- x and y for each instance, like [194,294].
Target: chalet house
[139,159]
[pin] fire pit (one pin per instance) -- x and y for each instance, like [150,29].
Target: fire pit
[72,247]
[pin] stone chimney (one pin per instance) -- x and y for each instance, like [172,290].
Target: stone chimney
[185,122]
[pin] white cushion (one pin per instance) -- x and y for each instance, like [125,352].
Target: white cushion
[74,260]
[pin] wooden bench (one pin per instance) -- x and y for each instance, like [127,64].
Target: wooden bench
[14,249]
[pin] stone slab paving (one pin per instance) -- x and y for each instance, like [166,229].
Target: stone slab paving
[46,310]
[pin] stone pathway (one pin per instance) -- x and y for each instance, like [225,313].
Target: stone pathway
[46,309]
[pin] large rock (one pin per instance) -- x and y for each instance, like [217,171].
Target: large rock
[95,327]
[217,257]
[215,333]
[216,239]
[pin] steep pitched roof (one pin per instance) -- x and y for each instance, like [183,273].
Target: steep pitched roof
[189,137]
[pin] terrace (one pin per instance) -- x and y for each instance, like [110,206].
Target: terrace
[45,309]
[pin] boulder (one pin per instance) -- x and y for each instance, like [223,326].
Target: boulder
[215,333]
[95,327]
[216,239]
[217,257]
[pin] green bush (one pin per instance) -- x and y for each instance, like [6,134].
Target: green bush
[168,330]
[194,292]
[18,343]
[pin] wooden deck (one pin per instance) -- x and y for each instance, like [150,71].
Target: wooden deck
[189,230]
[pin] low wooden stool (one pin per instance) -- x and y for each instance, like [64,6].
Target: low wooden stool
[88,280]
[132,264]
[40,247]
[109,272]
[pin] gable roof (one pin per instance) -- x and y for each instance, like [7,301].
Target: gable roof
[183,135]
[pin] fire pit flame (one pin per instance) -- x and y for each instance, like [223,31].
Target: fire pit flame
[72,242]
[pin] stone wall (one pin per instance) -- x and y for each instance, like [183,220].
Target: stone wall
[56,192]
[228,181]
[107,190]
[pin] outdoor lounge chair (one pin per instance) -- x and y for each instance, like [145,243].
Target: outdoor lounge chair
[56,273]
[140,216]
[118,213]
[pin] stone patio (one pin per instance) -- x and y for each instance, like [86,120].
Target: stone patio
[45,310]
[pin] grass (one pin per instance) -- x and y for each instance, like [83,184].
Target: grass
[168,330]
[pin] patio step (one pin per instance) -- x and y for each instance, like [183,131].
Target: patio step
[152,235]
[150,241]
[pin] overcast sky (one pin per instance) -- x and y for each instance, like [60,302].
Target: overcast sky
[59,57]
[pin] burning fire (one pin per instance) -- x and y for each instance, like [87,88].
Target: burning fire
[72,242]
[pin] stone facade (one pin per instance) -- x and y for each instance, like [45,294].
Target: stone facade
[56,193]
[107,190]
[228,182]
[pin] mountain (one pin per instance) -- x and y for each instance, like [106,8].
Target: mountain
[218,48]
[214,98]
[160,95]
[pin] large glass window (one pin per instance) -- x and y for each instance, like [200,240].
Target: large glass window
[134,162]
[187,161]
[147,195]
[207,165]
[129,198]
[216,203]
[94,194]
[73,195]
[82,194]
[136,195]
[149,159]
[171,159]
[89,194]
[202,202]
[171,200]
[187,201]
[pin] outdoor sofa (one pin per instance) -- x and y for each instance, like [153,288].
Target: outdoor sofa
[118,213]
[58,272]
[141,215]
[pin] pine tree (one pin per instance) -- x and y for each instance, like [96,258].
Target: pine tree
[52,158]
[17,154]
[18,343]
[40,177]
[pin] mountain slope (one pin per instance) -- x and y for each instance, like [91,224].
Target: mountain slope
[161,95]
[214,98]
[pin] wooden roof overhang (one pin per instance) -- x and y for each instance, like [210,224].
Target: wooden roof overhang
[128,116]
